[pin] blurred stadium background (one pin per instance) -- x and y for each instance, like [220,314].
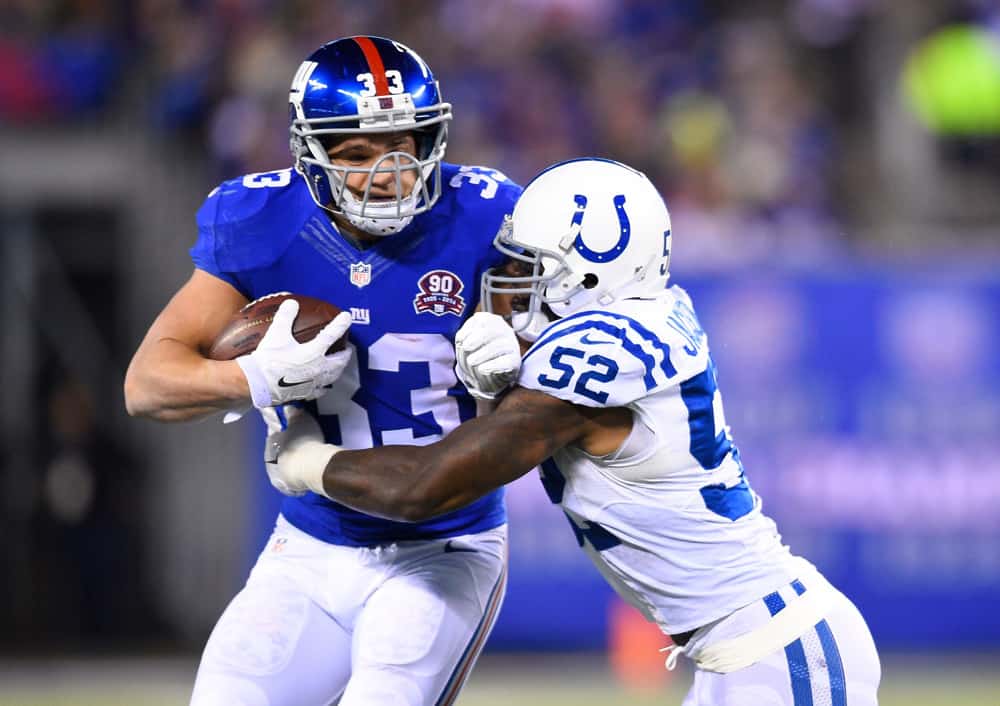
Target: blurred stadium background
[833,170]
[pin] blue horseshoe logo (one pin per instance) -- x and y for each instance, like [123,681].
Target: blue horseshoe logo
[616,249]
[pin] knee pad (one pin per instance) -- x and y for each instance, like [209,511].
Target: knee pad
[401,633]
[258,633]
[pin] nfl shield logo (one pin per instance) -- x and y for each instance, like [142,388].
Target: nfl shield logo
[361,274]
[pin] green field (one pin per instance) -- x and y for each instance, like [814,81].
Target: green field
[950,680]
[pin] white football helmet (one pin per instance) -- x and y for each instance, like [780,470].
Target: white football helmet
[592,231]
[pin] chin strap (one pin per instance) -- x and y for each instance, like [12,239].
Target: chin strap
[528,325]
[377,218]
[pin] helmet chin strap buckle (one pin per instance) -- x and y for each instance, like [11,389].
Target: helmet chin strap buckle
[528,325]
[571,282]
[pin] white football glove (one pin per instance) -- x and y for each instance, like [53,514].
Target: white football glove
[296,456]
[487,355]
[281,369]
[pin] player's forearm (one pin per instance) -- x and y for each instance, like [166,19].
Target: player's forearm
[383,482]
[172,382]
[416,483]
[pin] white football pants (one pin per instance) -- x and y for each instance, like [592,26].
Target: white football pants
[395,625]
[832,664]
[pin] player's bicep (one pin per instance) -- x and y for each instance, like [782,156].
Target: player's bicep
[196,313]
[528,426]
[169,378]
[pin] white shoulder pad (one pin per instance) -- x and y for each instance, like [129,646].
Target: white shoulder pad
[615,356]
[597,359]
[682,331]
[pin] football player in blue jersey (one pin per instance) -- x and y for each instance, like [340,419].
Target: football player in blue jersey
[617,400]
[342,604]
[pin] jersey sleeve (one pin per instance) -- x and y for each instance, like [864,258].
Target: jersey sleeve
[246,224]
[597,359]
[204,252]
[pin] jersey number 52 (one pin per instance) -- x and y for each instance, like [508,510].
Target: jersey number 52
[601,370]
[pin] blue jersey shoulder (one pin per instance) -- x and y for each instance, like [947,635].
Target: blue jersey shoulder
[478,196]
[246,223]
[477,184]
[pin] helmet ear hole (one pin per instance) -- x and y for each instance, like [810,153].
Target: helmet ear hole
[425,138]
[590,280]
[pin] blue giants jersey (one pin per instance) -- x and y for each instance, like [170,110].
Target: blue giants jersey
[408,294]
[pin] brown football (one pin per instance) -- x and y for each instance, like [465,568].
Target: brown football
[248,325]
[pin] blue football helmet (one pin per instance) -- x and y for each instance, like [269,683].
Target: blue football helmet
[363,85]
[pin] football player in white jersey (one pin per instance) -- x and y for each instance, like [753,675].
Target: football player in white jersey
[617,400]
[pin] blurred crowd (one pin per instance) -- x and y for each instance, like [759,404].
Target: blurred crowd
[741,112]
[771,127]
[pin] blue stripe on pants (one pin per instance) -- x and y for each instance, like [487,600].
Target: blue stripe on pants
[798,668]
[838,686]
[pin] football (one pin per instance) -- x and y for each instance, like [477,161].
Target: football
[248,325]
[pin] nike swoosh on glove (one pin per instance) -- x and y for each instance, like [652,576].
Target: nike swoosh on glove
[487,355]
[281,369]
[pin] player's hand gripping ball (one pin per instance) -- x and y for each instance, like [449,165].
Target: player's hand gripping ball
[243,332]
[289,347]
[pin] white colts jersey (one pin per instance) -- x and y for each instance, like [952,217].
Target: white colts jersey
[669,519]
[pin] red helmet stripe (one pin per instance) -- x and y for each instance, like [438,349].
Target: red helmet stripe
[375,64]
